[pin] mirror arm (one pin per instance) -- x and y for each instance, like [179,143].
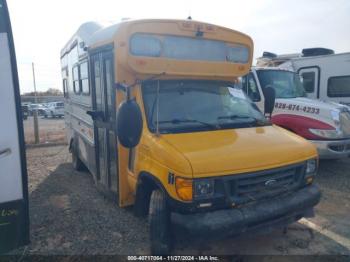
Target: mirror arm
[128,93]
[120,87]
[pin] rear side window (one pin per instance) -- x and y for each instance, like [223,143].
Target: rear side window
[84,78]
[76,86]
[308,81]
[338,86]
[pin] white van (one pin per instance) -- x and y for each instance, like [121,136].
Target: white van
[325,124]
[325,75]
[54,109]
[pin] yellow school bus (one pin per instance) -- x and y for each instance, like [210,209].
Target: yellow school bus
[153,112]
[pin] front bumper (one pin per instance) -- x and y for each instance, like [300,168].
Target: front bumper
[265,214]
[332,149]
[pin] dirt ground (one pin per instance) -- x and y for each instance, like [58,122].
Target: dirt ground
[69,216]
[51,130]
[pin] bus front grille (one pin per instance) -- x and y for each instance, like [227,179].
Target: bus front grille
[252,187]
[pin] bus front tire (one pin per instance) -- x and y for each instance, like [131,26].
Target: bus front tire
[160,224]
[77,163]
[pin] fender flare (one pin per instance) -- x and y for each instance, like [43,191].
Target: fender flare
[144,191]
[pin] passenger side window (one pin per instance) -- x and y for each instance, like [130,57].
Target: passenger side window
[84,77]
[250,87]
[309,81]
[76,85]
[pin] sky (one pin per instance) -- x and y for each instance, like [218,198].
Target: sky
[42,27]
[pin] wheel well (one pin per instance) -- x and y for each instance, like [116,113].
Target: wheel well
[145,185]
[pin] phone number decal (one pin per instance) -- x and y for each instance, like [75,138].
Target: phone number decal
[292,107]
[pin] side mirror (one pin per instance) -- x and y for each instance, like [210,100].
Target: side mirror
[129,124]
[270,97]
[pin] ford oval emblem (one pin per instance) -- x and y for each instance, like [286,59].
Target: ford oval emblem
[270,182]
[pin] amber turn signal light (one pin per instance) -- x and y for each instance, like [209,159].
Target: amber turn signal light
[184,188]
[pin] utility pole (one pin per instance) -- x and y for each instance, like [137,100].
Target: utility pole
[35,113]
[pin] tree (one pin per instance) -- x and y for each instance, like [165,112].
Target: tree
[48,92]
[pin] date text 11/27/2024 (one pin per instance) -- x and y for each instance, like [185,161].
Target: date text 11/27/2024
[173,258]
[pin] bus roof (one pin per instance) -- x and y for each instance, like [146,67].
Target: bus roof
[182,47]
[94,33]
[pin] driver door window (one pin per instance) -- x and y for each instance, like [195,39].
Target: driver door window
[309,77]
[250,87]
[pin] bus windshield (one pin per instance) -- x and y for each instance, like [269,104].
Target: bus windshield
[198,105]
[286,84]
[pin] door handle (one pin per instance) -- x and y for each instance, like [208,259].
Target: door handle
[95,115]
[5,152]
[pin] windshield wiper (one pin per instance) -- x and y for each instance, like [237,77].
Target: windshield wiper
[232,117]
[179,121]
[258,122]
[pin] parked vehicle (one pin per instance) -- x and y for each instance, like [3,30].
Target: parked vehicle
[38,107]
[327,125]
[326,76]
[161,126]
[25,112]
[54,109]
[14,215]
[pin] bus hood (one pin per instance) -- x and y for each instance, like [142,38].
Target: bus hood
[233,151]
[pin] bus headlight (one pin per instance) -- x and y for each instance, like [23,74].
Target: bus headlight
[311,166]
[203,188]
[311,169]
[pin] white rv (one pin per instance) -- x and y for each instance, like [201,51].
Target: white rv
[325,124]
[325,75]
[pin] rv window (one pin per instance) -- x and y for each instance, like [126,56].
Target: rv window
[338,86]
[84,78]
[76,86]
[286,84]
[308,81]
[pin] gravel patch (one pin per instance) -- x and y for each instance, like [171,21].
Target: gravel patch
[70,217]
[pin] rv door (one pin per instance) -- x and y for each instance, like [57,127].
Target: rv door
[14,219]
